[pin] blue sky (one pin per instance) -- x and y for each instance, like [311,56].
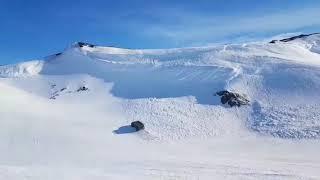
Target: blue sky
[31,29]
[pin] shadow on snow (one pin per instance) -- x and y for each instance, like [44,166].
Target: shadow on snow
[125,130]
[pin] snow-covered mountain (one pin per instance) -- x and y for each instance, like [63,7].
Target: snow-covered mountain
[67,116]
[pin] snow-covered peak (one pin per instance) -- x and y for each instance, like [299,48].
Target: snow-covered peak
[82,44]
[83,57]
[308,42]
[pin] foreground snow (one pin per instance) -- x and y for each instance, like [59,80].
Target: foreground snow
[51,130]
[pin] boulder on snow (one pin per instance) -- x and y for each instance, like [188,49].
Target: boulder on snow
[137,125]
[232,98]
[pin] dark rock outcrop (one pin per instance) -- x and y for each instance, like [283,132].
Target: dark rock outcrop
[273,41]
[82,88]
[293,38]
[137,125]
[82,44]
[232,98]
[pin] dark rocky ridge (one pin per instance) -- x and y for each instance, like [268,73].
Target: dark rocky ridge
[293,38]
[82,44]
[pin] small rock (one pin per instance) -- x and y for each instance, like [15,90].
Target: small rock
[137,125]
[82,88]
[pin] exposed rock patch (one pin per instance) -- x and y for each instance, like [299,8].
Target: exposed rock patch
[57,92]
[232,98]
[82,44]
[82,88]
[293,38]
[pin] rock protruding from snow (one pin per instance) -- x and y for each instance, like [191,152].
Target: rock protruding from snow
[82,44]
[232,98]
[293,38]
[137,125]
[82,88]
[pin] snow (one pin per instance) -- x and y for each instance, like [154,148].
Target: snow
[30,68]
[53,130]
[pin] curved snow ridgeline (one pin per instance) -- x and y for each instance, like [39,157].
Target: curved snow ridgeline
[171,90]
[24,69]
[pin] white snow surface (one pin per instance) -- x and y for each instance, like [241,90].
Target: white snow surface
[53,130]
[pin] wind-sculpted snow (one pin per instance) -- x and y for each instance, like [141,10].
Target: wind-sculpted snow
[21,70]
[69,116]
[285,121]
[288,104]
[277,76]
[180,118]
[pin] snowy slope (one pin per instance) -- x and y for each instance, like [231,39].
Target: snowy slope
[52,125]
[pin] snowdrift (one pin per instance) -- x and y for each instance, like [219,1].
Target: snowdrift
[171,90]
[68,116]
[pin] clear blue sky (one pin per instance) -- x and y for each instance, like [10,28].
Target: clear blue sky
[31,29]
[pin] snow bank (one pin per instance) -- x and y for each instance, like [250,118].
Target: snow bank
[171,91]
[30,68]
[67,117]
